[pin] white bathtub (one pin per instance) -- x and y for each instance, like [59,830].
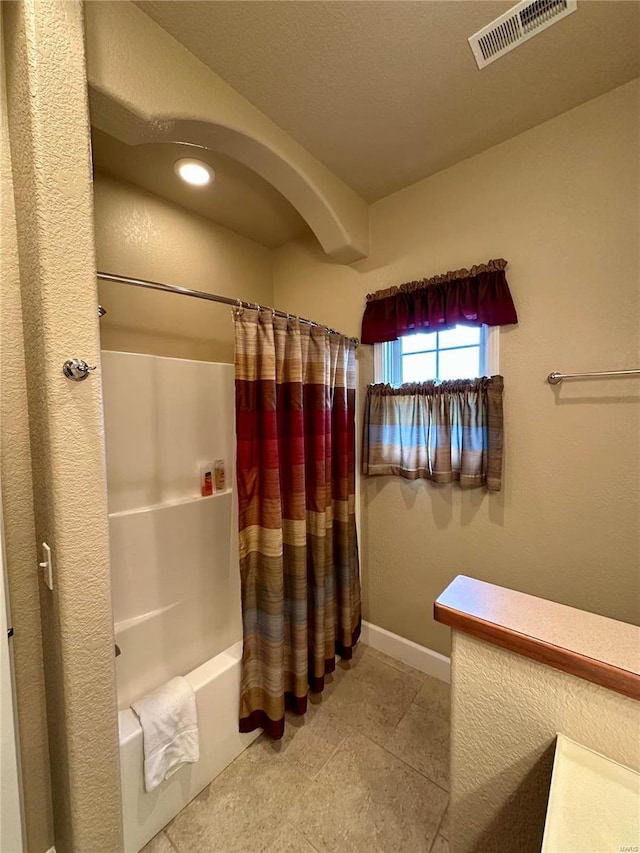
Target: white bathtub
[217,687]
[176,596]
[174,566]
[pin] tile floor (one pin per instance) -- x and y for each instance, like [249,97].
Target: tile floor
[365,770]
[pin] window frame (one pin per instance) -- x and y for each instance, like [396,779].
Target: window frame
[388,357]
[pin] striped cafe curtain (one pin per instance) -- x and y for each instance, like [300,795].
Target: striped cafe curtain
[295,412]
[446,432]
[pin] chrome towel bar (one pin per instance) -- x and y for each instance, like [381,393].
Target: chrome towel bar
[556,378]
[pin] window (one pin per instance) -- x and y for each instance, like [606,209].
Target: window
[463,352]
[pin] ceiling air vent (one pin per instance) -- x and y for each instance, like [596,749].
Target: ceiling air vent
[520,23]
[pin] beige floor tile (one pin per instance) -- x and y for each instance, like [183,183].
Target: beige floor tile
[289,840]
[331,681]
[309,741]
[364,651]
[373,698]
[444,826]
[361,656]
[396,664]
[243,808]
[440,845]
[364,799]
[435,695]
[159,844]
[422,740]
[343,669]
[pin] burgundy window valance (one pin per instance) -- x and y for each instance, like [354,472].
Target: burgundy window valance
[471,297]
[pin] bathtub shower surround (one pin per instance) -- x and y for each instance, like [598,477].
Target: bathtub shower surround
[176,596]
[295,408]
[174,566]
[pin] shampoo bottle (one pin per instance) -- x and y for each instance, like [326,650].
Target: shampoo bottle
[206,479]
[219,475]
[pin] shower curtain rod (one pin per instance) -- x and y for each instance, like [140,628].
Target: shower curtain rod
[211,297]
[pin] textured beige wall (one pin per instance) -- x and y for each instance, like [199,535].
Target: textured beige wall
[49,136]
[18,518]
[505,713]
[141,235]
[560,202]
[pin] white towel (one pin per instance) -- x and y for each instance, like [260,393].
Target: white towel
[169,723]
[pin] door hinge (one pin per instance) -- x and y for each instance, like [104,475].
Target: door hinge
[9,633]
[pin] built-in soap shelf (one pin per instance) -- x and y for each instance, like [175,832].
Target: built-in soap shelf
[166,504]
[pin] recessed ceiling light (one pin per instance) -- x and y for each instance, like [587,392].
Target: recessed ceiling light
[194,172]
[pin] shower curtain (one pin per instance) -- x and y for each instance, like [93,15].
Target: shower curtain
[295,412]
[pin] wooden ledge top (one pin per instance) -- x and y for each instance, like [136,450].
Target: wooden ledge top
[583,644]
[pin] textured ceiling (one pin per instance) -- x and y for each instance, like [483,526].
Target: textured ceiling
[386,93]
[238,198]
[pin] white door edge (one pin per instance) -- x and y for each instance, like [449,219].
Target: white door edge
[11,823]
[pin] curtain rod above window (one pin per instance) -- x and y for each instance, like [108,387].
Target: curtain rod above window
[211,297]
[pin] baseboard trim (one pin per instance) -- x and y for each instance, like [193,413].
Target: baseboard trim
[419,657]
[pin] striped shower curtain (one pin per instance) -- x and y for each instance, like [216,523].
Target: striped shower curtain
[295,408]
